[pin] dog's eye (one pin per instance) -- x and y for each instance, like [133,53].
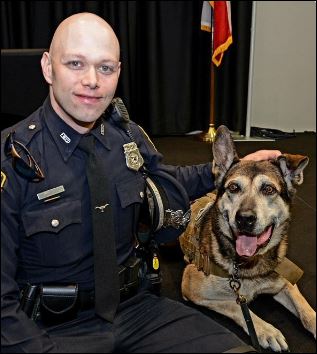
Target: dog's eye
[233,188]
[268,189]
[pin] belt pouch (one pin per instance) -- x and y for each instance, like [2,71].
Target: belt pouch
[58,303]
[129,277]
[132,272]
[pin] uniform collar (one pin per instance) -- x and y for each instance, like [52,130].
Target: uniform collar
[65,137]
[100,132]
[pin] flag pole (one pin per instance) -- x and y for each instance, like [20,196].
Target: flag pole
[211,133]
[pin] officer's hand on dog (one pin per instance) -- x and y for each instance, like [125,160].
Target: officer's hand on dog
[262,155]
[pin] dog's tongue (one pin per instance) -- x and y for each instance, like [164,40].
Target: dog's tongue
[247,245]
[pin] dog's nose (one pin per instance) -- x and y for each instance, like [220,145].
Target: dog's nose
[245,220]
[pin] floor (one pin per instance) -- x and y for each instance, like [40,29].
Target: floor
[302,235]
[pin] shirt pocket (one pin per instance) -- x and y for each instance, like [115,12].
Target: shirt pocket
[131,191]
[56,233]
[53,218]
[130,194]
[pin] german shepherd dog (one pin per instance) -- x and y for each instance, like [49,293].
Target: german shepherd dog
[236,241]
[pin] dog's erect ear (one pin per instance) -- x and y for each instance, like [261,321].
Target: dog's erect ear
[224,154]
[292,167]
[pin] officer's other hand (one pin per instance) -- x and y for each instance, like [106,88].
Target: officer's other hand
[262,155]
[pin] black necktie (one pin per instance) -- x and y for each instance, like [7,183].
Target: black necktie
[107,293]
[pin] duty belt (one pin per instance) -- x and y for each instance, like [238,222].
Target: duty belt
[55,303]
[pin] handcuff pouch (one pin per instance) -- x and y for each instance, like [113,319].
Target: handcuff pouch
[58,303]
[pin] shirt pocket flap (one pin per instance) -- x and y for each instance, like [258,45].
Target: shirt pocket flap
[52,218]
[131,191]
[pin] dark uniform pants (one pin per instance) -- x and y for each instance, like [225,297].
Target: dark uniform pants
[145,324]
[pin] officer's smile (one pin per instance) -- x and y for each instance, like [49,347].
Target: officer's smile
[88,99]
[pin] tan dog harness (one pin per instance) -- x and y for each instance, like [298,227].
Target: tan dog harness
[190,244]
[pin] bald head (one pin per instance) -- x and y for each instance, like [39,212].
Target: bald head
[82,68]
[84,30]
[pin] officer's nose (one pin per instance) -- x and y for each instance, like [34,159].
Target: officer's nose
[90,78]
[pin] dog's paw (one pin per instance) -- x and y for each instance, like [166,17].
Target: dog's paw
[271,337]
[310,323]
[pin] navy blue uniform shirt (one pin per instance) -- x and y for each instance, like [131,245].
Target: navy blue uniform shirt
[51,241]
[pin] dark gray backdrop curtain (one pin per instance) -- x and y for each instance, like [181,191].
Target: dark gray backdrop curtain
[165,78]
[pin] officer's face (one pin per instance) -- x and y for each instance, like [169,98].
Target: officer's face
[83,70]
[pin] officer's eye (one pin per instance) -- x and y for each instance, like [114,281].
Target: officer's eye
[75,64]
[107,69]
[268,189]
[233,187]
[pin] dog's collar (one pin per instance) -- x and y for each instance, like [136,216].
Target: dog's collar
[286,268]
[218,271]
[208,266]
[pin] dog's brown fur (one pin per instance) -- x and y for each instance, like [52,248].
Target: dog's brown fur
[244,225]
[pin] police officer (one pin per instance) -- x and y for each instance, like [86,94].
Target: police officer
[46,224]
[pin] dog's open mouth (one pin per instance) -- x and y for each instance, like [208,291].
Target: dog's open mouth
[247,245]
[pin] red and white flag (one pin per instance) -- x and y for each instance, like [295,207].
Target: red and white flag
[221,31]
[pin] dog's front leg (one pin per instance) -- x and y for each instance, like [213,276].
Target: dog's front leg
[214,293]
[268,335]
[294,301]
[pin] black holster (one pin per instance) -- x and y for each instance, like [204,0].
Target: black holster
[30,301]
[52,304]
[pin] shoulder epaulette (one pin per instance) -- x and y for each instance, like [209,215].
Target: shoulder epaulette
[25,129]
[147,137]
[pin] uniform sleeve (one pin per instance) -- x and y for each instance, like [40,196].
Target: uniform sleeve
[18,332]
[196,179]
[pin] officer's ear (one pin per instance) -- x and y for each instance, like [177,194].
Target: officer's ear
[46,64]
[119,69]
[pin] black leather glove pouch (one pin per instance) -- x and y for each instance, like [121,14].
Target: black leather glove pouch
[58,303]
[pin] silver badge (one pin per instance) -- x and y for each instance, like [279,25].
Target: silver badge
[134,159]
